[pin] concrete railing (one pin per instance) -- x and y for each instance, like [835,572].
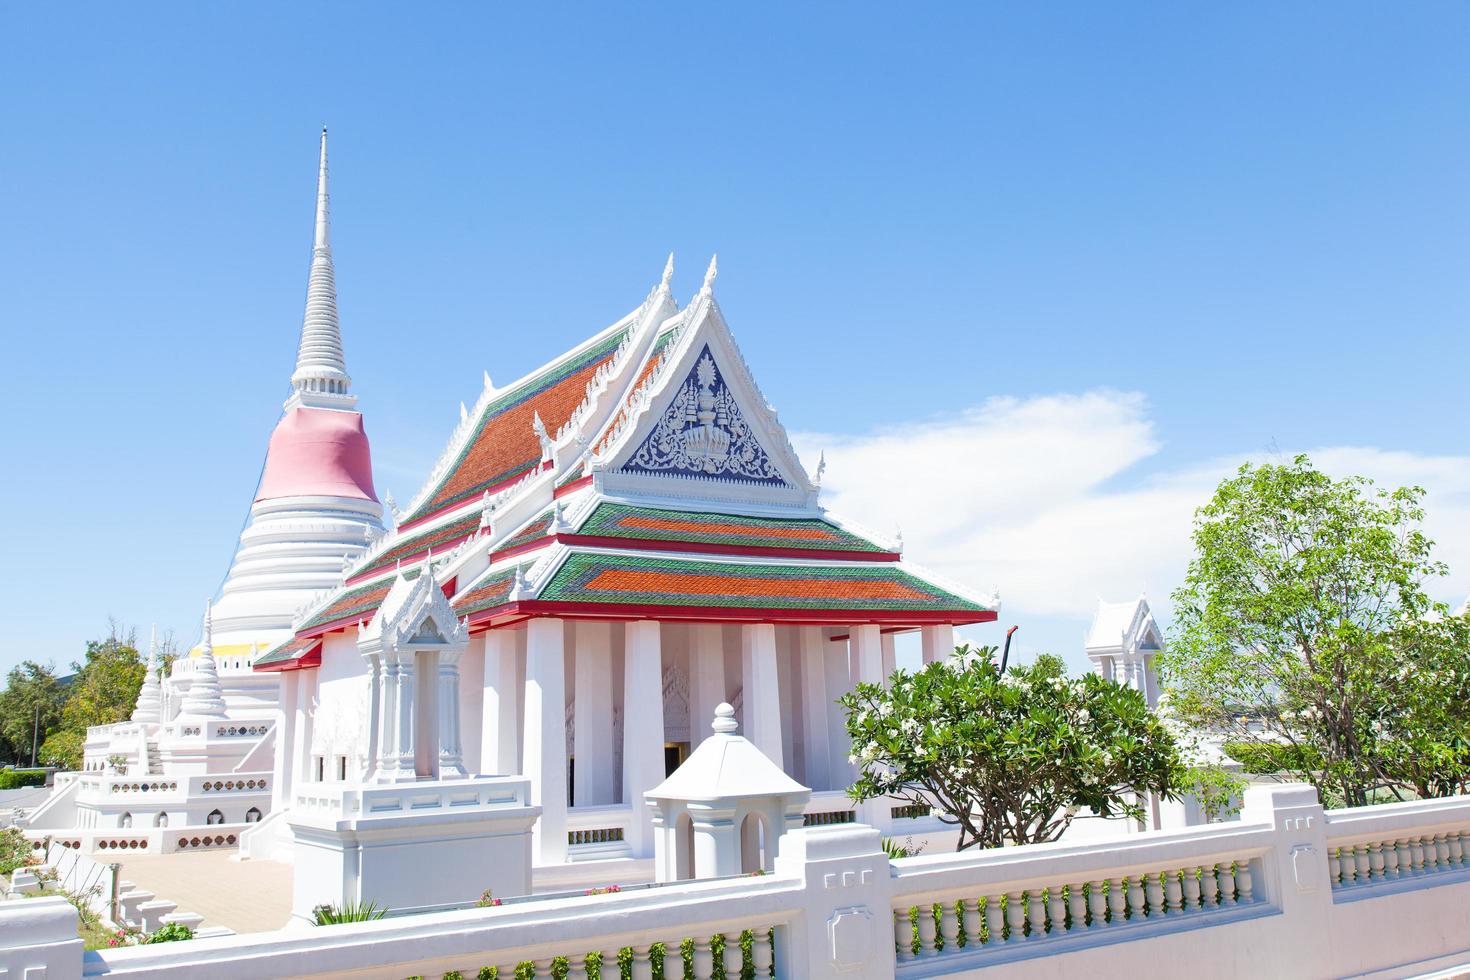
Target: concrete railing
[1253,898]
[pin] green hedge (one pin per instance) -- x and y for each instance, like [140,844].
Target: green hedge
[18,778]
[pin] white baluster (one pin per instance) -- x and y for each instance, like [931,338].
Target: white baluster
[1117,901]
[1405,852]
[704,959]
[1347,857]
[1056,910]
[1036,909]
[734,959]
[1227,885]
[903,934]
[1375,859]
[994,920]
[1191,889]
[673,960]
[1136,907]
[1243,879]
[1077,905]
[1390,859]
[1173,892]
[1364,863]
[1097,905]
[1209,887]
[1416,848]
[608,968]
[1015,918]
[761,952]
[1442,849]
[643,963]
[1457,849]
[970,922]
[949,927]
[1155,892]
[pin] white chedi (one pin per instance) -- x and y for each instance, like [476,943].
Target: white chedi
[204,699]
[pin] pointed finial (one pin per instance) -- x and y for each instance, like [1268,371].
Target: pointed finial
[710,274]
[668,276]
[464,413]
[152,645]
[542,436]
[320,379]
[488,382]
[208,645]
[486,510]
[724,723]
[821,467]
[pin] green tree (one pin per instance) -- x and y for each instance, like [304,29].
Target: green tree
[1009,756]
[30,707]
[105,688]
[1300,627]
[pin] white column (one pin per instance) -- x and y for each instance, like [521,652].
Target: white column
[545,740]
[706,678]
[643,726]
[283,766]
[816,703]
[762,689]
[450,763]
[395,762]
[890,655]
[937,642]
[592,739]
[867,654]
[500,724]
[305,688]
[839,682]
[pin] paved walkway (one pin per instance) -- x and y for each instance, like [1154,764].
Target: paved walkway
[246,896]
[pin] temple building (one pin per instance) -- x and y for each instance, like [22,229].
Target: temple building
[626,539]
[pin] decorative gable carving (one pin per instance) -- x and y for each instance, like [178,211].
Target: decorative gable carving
[703,433]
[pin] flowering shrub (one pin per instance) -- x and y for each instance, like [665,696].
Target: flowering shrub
[609,890]
[1009,756]
[487,900]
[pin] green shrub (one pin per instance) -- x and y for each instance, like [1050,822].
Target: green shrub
[331,915]
[170,933]
[21,778]
[15,850]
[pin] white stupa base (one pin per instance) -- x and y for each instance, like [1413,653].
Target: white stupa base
[411,847]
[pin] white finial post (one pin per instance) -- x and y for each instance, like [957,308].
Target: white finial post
[204,699]
[542,436]
[821,467]
[724,723]
[710,274]
[487,510]
[149,707]
[668,276]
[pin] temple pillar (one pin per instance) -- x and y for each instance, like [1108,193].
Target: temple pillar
[545,739]
[592,726]
[305,688]
[706,677]
[762,697]
[867,653]
[937,642]
[396,762]
[837,662]
[716,843]
[283,767]
[450,764]
[816,703]
[643,726]
[500,721]
[890,655]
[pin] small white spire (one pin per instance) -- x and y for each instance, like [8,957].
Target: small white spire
[668,276]
[542,436]
[710,274]
[464,413]
[821,468]
[149,708]
[204,699]
[488,382]
[487,512]
[320,379]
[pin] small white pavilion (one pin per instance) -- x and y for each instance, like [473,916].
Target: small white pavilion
[722,811]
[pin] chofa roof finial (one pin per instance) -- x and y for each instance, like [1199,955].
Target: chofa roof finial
[668,276]
[710,274]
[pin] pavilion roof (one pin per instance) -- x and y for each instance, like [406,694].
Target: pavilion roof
[413,546]
[287,654]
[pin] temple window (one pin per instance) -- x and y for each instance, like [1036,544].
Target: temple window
[252,815]
[215,817]
[161,820]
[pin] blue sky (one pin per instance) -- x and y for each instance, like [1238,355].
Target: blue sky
[1036,278]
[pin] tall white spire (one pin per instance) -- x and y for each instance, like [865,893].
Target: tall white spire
[204,699]
[320,379]
[150,696]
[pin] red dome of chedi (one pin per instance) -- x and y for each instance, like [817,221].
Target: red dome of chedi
[318,452]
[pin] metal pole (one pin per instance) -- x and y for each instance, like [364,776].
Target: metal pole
[112,902]
[35,735]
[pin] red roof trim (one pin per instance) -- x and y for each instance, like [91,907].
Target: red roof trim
[573,487]
[444,547]
[514,612]
[311,658]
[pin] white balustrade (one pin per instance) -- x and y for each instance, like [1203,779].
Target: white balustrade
[1378,845]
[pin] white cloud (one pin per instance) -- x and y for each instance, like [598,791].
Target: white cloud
[1043,498]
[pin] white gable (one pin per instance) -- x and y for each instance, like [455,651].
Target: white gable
[704,430]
